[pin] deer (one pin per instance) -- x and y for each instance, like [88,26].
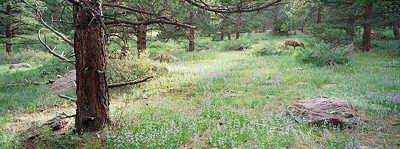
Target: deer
[293,43]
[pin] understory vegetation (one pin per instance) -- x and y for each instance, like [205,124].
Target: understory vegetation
[177,74]
[217,98]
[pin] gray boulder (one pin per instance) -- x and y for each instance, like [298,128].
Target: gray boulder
[323,110]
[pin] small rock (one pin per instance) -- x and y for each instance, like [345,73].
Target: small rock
[328,85]
[164,58]
[301,83]
[20,65]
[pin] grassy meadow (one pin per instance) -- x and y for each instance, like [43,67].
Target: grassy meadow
[217,98]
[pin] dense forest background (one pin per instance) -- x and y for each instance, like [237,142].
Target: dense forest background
[196,73]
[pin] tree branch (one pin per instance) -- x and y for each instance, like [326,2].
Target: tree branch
[67,98]
[148,22]
[236,10]
[39,15]
[128,8]
[54,53]
[129,83]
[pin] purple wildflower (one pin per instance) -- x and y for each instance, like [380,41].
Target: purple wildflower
[394,98]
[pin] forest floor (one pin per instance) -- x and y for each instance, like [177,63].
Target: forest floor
[226,99]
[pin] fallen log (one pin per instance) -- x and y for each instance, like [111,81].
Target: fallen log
[59,125]
[28,83]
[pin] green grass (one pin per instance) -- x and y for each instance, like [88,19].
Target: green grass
[229,99]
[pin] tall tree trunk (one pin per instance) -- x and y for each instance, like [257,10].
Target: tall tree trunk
[238,26]
[319,17]
[351,31]
[191,40]
[366,38]
[222,35]
[9,33]
[274,28]
[192,33]
[141,36]
[229,36]
[93,102]
[396,31]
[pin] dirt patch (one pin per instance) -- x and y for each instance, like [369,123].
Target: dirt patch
[23,120]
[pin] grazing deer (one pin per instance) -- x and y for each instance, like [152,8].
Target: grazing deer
[294,44]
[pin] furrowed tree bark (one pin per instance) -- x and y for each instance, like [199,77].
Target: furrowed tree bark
[319,17]
[9,33]
[366,38]
[396,31]
[141,36]
[229,36]
[238,26]
[222,35]
[92,112]
[192,34]
[274,28]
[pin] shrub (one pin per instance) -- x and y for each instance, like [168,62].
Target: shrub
[322,54]
[331,34]
[386,47]
[236,45]
[266,49]
[128,68]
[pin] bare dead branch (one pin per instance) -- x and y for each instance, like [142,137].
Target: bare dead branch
[54,53]
[148,22]
[128,8]
[129,83]
[41,20]
[67,98]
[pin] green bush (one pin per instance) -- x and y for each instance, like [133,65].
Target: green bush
[266,49]
[331,34]
[129,68]
[236,45]
[386,47]
[322,54]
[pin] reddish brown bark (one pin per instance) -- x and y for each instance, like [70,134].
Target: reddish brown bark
[396,31]
[141,36]
[229,36]
[366,38]
[191,34]
[93,102]
[238,27]
[275,27]
[319,17]
[191,40]
[9,33]
[350,30]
